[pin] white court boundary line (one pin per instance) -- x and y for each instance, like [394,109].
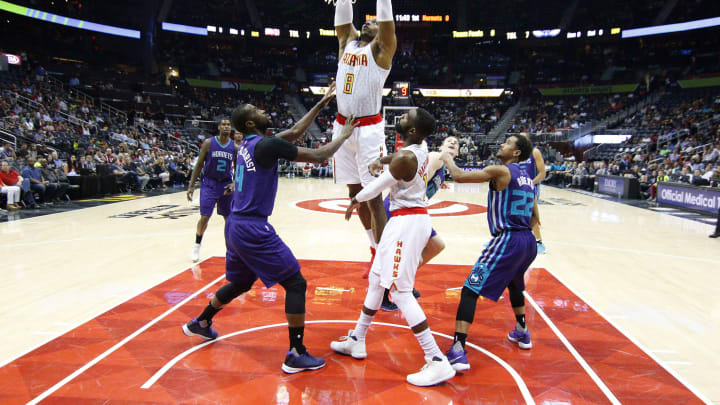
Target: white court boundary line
[518,380]
[86,320]
[574,352]
[635,342]
[118,345]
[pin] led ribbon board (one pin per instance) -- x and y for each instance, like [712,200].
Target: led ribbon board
[70,22]
[461,93]
[321,90]
[668,28]
[187,29]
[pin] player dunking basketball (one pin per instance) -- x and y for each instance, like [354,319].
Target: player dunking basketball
[364,63]
[398,253]
[216,163]
[511,209]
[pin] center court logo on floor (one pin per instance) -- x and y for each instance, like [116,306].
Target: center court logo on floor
[437,209]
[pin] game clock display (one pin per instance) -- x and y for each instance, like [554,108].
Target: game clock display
[401,90]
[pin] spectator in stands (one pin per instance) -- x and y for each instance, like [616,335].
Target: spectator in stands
[711,155]
[89,163]
[12,178]
[13,192]
[55,176]
[696,179]
[109,158]
[136,167]
[7,152]
[23,153]
[124,178]
[307,168]
[579,176]
[160,170]
[38,184]
[324,169]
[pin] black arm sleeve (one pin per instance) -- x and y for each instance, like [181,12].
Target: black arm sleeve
[269,150]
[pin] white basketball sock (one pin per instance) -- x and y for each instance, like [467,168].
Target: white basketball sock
[362,326]
[428,344]
[371,236]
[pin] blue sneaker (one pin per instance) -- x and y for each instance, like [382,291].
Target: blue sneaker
[457,357]
[521,338]
[541,249]
[295,363]
[388,306]
[193,328]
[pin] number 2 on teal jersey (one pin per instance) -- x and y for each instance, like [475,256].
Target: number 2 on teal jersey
[239,174]
[524,206]
[221,166]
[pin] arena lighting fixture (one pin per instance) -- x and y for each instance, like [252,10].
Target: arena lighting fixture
[70,22]
[669,28]
[546,33]
[186,29]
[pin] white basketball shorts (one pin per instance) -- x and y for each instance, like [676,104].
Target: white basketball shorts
[400,249]
[366,144]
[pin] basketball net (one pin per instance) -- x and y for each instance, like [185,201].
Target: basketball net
[334,2]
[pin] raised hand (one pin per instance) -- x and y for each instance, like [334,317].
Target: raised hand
[350,125]
[329,94]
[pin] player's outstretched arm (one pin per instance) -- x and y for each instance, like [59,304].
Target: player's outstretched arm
[402,167]
[500,174]
[344,27]
[385,43]
[298,130]
[325,152]
[198,167]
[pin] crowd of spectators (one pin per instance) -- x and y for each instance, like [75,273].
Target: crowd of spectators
[691,159]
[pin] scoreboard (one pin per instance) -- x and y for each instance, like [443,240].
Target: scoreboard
[401,91]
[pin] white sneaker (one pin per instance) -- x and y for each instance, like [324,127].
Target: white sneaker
[195,254]
[350,346]
[437,370]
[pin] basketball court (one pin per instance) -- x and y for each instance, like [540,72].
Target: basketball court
[622,308]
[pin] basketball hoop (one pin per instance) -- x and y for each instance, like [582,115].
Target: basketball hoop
[334,2]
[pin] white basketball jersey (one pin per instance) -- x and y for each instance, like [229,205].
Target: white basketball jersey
[411,194]
[359,82]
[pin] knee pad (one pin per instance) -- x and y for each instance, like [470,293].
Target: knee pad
[466,309]
[517,299]
[230,291]
[374,296]
[295,287]
[409,307]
